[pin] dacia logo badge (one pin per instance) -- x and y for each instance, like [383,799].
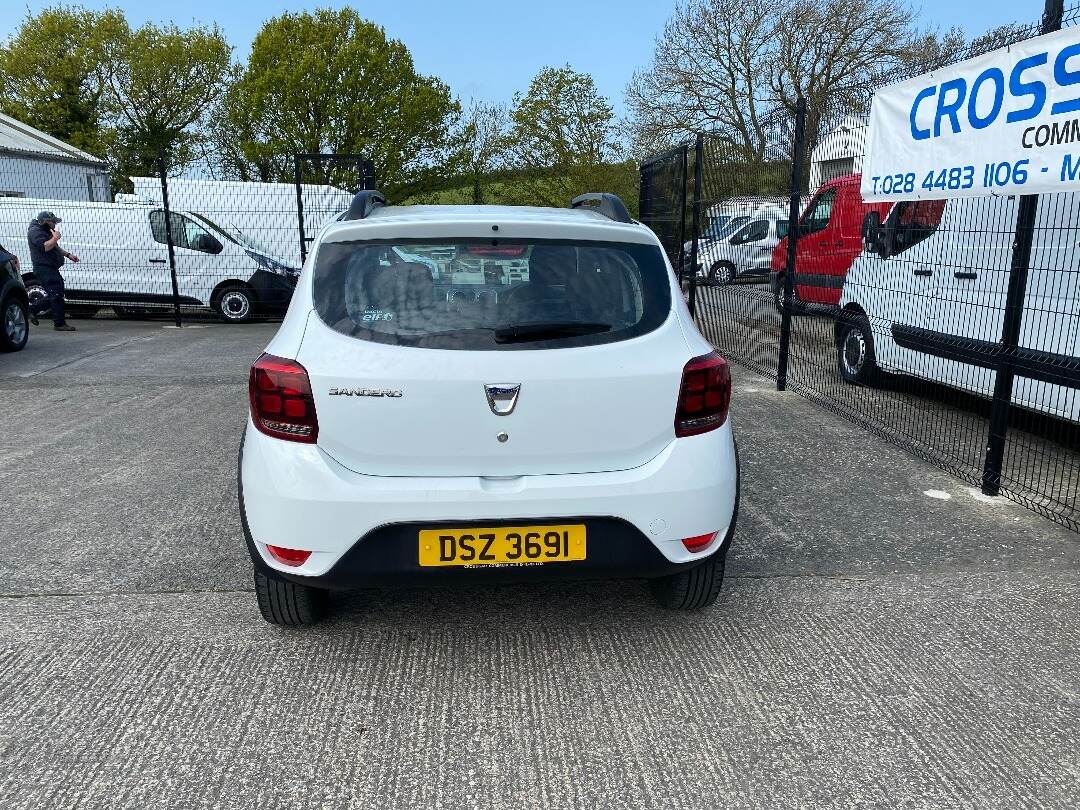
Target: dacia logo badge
[502,397]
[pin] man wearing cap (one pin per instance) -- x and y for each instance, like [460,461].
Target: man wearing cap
[47,257]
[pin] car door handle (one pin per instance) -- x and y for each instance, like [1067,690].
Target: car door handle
[923,271]
[965,274]
[158,261]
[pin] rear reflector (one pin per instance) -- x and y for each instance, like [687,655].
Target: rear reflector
[704,395]
[288,556]
[699,543]
[281,402]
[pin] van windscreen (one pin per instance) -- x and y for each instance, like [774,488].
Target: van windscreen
[491,294]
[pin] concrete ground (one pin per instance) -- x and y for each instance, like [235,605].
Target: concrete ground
[885,636]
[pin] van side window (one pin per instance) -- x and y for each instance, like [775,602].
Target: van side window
[186,233]
[915,221]
[753,232]
[819,213]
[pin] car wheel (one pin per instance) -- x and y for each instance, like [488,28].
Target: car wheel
[15,328]
[286,603]
[722,273]
[855,351]
[694,588]
[235,304]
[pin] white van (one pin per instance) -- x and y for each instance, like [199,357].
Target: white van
[266,213]
[746,252]
[927,298]
[124,259]
[722,219]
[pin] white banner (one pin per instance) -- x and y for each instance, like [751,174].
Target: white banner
[1007,122]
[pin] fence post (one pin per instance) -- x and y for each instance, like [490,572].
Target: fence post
[300,208]
[699,149]
[1014,311]
[798,149]
[169,237]
[685,163]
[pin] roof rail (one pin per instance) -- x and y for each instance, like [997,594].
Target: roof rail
[363,204]
[608,204]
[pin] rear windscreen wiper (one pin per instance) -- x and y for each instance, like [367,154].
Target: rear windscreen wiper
[518,332]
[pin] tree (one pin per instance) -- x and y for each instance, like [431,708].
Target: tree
[54,72]
[484,143]
[332,81]
[727,67]
[162,91]
[564,140]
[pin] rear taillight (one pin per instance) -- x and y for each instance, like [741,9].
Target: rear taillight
[281,401]
[288,556]
[704,395]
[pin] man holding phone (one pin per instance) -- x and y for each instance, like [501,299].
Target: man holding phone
[46,258]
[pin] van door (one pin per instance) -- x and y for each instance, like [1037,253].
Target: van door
[200,256]
[816,279]
[905,288]
[1051,307]
[971,279]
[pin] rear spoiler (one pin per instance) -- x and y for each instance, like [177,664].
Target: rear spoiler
[607,204]
[363,204]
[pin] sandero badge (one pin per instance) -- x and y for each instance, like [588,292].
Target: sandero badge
[392,393]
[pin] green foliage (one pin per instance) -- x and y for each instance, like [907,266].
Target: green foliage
[518,187]
[330,81]
[321,81]
[563,138]
[166,83]
[55,69]
[85,77]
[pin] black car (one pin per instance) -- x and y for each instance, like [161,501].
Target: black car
[14,305]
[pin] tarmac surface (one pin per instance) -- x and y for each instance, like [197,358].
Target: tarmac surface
[885,637]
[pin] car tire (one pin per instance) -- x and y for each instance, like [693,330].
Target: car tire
[855,350]
[694,588]
[287,603]
[14,324]
[722,273]
[235,303]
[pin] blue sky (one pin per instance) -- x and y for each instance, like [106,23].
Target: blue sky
[489,50]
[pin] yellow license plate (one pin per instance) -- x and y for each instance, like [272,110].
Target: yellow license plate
[509,545]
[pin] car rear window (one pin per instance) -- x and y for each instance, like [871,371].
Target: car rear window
[491,294]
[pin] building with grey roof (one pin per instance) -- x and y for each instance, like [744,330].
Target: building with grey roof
[34,164]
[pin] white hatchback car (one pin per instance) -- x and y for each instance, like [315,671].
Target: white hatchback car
[552,413]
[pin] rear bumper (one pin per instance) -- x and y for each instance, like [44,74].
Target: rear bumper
[362,530]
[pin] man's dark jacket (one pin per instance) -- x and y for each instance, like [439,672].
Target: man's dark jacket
[37,236]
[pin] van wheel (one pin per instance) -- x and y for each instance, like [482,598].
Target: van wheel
[692,589]
[35,293]
[286,603]
[722,273]
[15,324]
[855,351]
[778,294]
[235,304]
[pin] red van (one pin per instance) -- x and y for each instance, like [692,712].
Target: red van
[830,238]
